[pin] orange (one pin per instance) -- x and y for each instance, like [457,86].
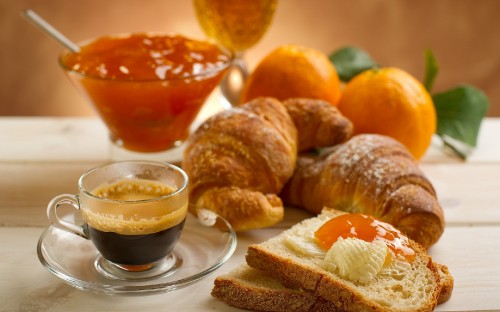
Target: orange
[391,102]
[293,71]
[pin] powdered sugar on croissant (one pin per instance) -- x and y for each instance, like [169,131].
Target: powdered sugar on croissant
[371,174]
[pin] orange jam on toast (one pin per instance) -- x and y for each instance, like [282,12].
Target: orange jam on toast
[365,228]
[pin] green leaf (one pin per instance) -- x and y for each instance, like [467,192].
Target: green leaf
[459,113]
[350,61]
[431,69]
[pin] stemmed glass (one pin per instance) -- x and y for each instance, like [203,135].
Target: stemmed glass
[236,25]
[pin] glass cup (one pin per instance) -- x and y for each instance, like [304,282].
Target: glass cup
[147,88]
[133,212]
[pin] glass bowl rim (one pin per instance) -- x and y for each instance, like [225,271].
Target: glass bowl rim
[211,71]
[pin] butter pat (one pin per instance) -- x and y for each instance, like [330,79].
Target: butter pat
[355,259]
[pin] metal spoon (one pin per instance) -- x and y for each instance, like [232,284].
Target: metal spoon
[39,22]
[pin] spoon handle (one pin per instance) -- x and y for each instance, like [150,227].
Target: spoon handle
[38,21]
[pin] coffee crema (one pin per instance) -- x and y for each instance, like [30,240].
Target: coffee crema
[132,190]
[140,213]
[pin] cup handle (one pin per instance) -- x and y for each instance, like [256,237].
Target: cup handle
[55,203]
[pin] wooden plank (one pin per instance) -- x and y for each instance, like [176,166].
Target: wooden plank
[70,138]
[471,253]
[53,139]
[86,138]
[468,193]
[27,188]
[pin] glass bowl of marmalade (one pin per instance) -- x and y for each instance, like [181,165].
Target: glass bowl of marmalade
[147,88]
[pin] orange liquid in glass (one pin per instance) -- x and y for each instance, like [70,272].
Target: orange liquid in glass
[236,24]
[366,228]
[148,89]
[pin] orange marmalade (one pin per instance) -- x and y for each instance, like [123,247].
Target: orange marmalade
[365,228]
[145,57]
[147,88]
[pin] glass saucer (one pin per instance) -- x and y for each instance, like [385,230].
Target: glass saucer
[202,248]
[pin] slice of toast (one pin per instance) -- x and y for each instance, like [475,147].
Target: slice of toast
[249,288]
[401,286]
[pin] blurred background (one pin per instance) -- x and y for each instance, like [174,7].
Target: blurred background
[463,34]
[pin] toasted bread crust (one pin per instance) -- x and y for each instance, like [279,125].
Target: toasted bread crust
[241,295]
[446,283]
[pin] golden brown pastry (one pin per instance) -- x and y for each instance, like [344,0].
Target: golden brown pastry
[319,124]
[372,174]
[239,159]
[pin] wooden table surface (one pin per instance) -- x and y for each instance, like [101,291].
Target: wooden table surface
[41,157]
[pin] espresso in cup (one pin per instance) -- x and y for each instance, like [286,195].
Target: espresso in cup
[133,211]
[142,238]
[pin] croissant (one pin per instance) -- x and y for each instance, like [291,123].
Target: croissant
[240,159]
[319,124]
[371,174]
